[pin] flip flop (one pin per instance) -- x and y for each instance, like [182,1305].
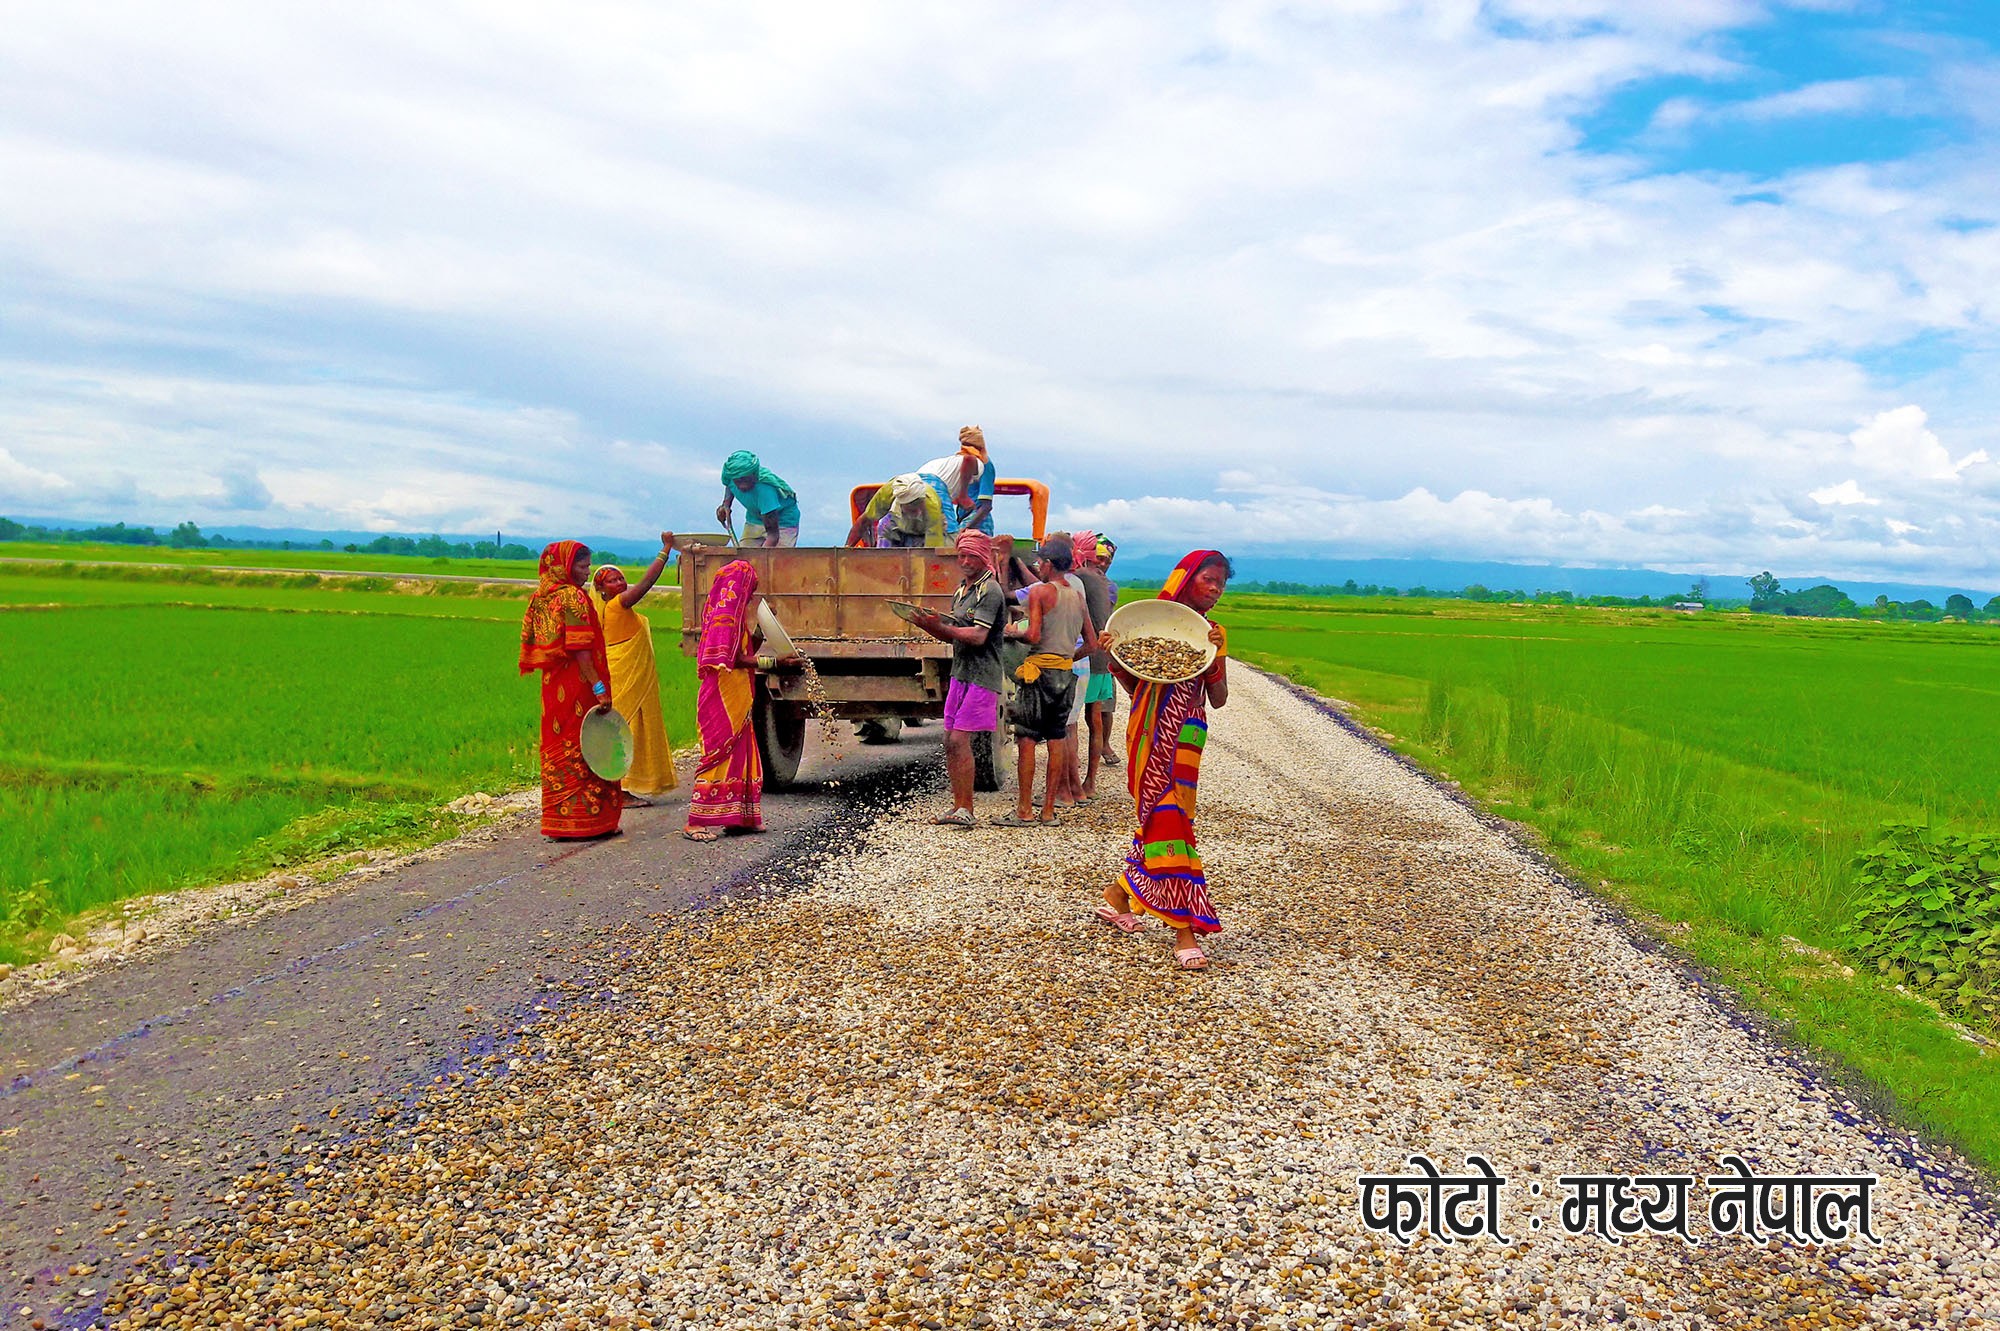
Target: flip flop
[1190,958]
[1123,920]
[956,818]
[702,833]
[1112,760]
[1012,819]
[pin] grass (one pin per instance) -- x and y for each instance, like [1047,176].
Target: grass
[1714,774]
[164,734]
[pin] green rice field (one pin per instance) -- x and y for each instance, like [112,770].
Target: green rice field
[1715,774]
[164,732]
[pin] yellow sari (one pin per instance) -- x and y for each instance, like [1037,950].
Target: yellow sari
[635,692]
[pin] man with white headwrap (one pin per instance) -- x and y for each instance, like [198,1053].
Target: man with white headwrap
[903,512]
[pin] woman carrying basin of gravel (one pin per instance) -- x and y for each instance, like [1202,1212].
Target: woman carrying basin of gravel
[1163,744]
[562,638]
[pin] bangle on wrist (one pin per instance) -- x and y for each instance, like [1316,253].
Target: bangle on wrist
[598,688]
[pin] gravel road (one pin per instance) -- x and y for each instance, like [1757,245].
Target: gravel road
[900,1079]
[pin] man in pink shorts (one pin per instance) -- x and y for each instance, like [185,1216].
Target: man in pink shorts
[972,701]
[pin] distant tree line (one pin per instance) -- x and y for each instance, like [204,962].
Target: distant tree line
[1824,601]
[189,536]
[1827,601]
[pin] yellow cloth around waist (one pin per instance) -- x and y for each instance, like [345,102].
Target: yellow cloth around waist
[635,692]
[1032,668]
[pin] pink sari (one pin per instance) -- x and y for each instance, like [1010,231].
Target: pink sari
[730,785]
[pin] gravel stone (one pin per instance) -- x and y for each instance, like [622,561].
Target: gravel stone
[925,1089]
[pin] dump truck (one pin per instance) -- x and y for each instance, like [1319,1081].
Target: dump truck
[833,602]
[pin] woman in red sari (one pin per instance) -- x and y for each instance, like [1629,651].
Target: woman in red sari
[1164,738]
[730,785]
[560,637]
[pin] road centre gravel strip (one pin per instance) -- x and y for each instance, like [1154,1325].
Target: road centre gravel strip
[918,1087]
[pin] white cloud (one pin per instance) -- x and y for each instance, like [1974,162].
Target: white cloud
[1899,443]
[20,481]
[1847,492]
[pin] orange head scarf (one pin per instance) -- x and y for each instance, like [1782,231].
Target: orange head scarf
[1177,584]
[542,643]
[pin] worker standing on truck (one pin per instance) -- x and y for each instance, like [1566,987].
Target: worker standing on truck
[904,512]
[767,501]
[972,703]
[964,482]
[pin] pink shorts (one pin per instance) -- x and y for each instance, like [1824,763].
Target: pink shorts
[969,707]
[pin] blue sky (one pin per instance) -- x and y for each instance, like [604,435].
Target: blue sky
[1705,283]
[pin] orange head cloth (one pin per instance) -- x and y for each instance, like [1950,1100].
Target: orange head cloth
[977,544]
[1176,587]
[972,441]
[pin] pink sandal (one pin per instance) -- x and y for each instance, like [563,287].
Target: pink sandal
[1191,958]
[1123,920]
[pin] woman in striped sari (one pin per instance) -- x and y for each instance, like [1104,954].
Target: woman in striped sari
[730,786]
[1163,745]
[561,637]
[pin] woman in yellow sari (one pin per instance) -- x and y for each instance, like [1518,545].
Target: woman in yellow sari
[635,676]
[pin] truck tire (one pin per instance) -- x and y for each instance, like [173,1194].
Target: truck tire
[781,738]
[985,776]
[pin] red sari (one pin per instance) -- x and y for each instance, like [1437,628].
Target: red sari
[729,789]
[576,802]
[1164,738]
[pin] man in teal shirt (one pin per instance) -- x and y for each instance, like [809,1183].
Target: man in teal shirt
[767,500]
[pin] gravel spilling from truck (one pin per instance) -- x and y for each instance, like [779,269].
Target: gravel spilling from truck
[924,1089]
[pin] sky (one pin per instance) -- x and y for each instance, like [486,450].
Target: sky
[1701,284]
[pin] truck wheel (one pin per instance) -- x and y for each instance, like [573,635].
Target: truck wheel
[985,776]
[781,738]
[879,729]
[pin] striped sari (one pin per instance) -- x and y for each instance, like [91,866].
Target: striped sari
[1164,738]
[729,788]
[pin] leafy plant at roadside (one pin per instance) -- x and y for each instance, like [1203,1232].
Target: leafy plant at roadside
[1929,914]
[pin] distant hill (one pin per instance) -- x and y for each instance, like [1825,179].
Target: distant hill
[1452,575]
[1447,575]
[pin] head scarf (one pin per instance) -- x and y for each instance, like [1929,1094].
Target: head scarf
[978,544]
[1106,547]
[740,464]
[1083,547]
[597,578]
[744,464]
[542,642]
[1177,584]
[908,490]
[972,440]
[724,616]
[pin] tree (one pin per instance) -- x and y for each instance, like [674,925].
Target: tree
[11,530]
[187,536]
[1825,601]
[1993,606]
[1763,591]
[1699,592]
[1958,603]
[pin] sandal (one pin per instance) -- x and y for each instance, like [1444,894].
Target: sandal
[1123,920]
[1111,760]
[637,802]
[956,818]
[1012,819]
[702,833]
[1190,958]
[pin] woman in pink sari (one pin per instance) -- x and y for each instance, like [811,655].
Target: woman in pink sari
[730,785]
